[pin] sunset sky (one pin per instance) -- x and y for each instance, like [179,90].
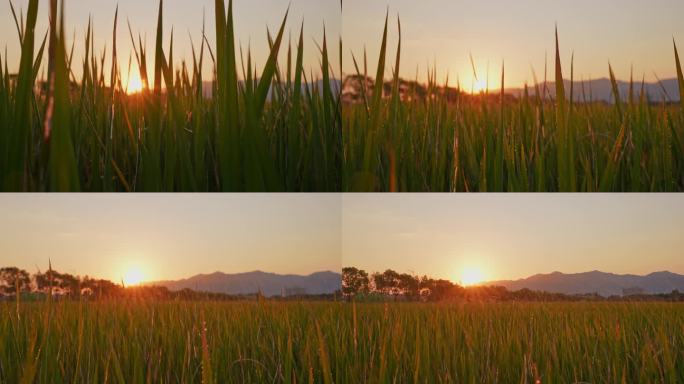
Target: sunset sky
[626,32]
[445,32]
[170,236]
[509,236]
[501,236]
[252,17]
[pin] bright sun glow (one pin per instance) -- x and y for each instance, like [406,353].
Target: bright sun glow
[135,85]
[134,276]
[479,85]
[472,276]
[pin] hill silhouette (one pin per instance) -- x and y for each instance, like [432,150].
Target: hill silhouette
[605,284]
[269,284]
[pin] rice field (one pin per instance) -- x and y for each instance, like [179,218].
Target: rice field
[515,342]
[326,342]
[279,128]
[179,342]
[272,128]
[539,142]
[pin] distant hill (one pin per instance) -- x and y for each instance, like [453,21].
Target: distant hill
[270,284]
[602,90]
[605,284]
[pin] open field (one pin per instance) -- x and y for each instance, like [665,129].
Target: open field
[396,141]
[116,341]
[275,128]
[515,342]
[147,341]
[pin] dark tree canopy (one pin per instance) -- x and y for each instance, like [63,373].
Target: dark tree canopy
[354,281]
[14,280]
[390,285]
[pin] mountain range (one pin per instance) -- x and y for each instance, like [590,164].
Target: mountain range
[602,283]
[269,284]
[602,90]
[272,284]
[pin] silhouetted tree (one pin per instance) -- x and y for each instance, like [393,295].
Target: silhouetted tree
[354,282]
[394,285]
[387,283]
[409,286]
[68,284]
[44,282]
[13,279]
[53,282]
[435,290]
[104,288]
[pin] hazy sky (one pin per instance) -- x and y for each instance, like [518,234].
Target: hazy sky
[514,236]
[506,236]
[171,236]
[252,17]
[626,32]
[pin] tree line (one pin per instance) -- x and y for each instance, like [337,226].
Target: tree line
[357,284]
[16,282]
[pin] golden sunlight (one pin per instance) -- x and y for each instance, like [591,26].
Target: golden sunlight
[472,276]
[134,85]
[481,79]
[479,86]
[134,276]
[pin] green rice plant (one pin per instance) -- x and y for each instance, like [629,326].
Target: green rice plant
[19,118]
[447,140]
[503,342]
[262,131]
[62,172]
[156,341]
[680,76]
[147,340]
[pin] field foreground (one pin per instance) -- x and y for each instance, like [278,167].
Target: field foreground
[402,137]
[149,341]
[275,128]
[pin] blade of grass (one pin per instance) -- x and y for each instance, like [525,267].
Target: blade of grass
[63,172]
[17,143]
[680,76]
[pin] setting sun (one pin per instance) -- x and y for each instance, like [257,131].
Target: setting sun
[472,276]
[134,276]
[479,86]
[134,85]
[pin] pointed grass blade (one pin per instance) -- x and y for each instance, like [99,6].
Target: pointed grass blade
[17,143]
[228,128]
[269,69]
[159,51]
[560,86]
[63,173]
[680,76]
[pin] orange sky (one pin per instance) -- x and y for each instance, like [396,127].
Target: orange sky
[491,237]
[629,33]
[509,236]
[170,236]
[252,18]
